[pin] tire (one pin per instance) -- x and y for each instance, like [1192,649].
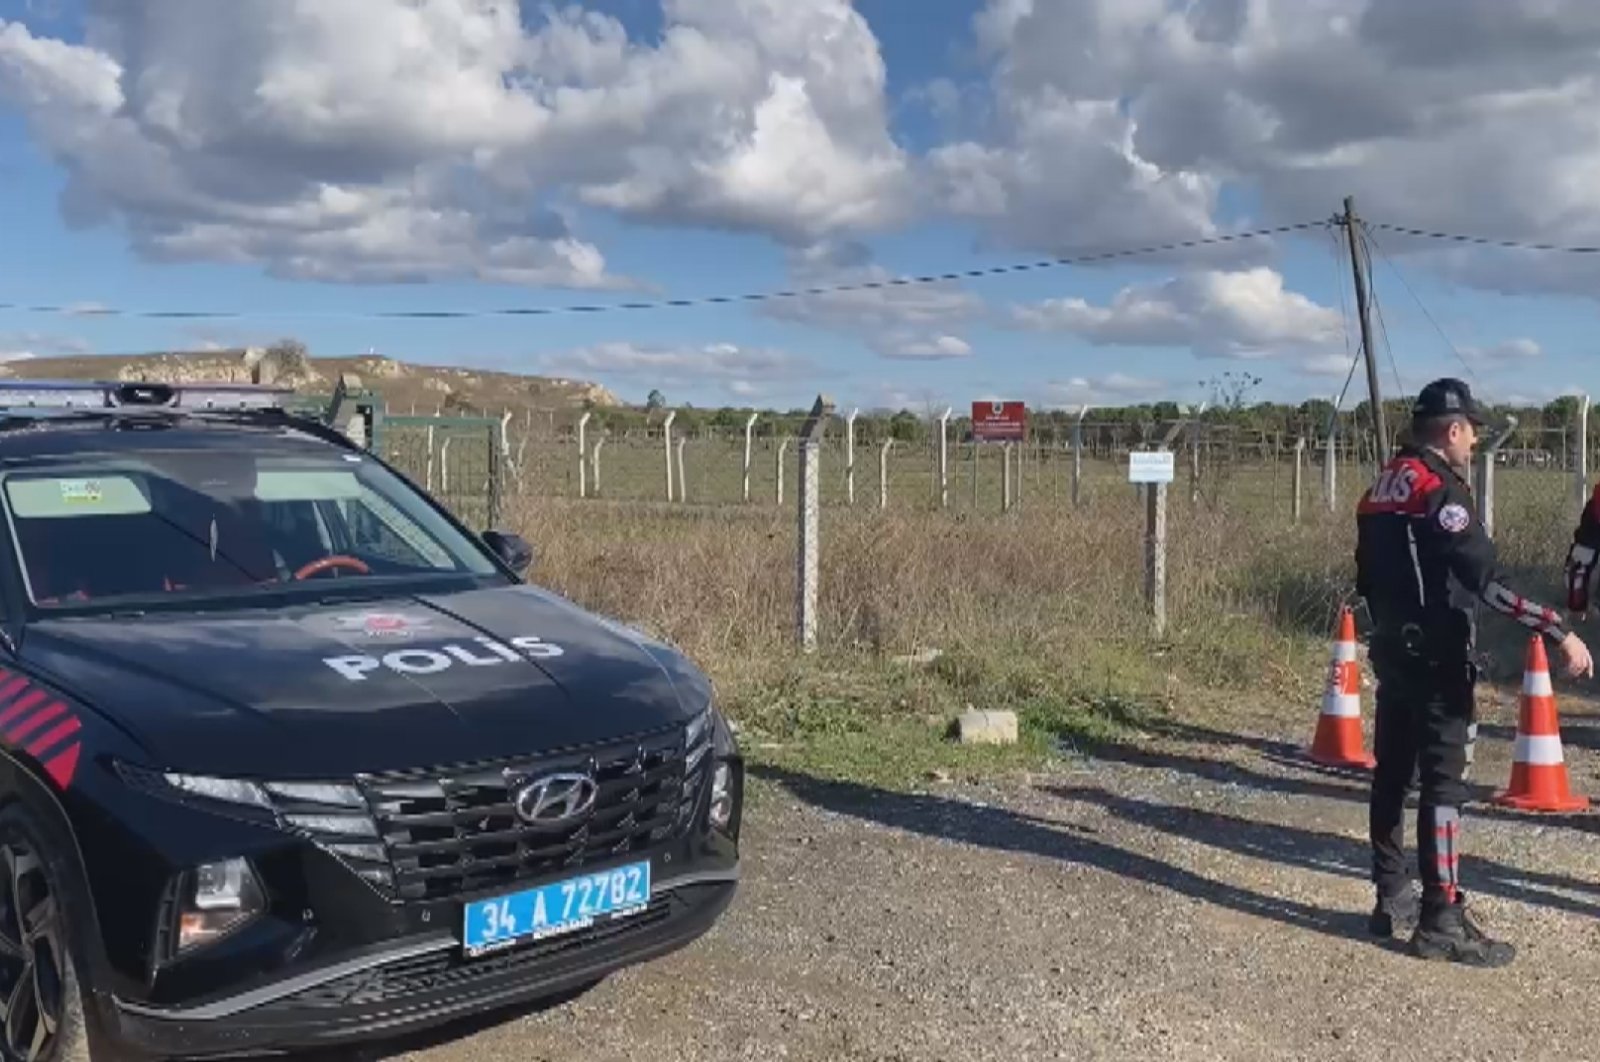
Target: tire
[38,977]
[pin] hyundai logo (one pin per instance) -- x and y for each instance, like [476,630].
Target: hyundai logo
[556,799]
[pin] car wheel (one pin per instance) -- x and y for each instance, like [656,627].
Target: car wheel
[41,1005]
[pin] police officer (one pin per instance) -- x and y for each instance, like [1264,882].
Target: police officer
[1582,554]
[1423,560]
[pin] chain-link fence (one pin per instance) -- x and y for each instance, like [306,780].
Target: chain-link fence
[473,464]
[458,460]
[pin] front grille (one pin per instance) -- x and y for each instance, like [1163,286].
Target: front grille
[450,970]
[453,832]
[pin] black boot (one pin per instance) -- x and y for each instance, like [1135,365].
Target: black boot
[1448,931]
[1394,914]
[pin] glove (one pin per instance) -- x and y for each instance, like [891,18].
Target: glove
[1580,562]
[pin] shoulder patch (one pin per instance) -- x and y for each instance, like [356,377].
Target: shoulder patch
[1454,517]
[1403,486]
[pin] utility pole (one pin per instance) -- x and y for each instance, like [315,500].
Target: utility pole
[1381,432]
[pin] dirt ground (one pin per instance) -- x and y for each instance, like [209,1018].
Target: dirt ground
[1202,897]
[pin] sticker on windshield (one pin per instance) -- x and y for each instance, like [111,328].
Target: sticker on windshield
[81,491]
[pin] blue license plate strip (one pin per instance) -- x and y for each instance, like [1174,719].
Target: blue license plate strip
[551,910]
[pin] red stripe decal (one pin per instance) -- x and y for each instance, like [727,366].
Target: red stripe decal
[23,705]
[36,720]
[53,735]
[63,766]
[12,688]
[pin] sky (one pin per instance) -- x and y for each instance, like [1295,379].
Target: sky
[307,167]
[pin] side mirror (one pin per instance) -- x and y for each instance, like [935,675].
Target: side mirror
[512,549]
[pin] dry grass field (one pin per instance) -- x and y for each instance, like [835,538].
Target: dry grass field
[1039,610]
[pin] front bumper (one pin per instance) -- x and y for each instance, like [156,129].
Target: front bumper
[422,981]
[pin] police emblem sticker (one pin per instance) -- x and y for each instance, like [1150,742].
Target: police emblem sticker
[1454,518]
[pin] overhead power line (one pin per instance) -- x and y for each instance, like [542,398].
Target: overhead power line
[706,300]
[1487,241]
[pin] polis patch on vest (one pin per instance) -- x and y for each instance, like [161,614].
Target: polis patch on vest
[419,660]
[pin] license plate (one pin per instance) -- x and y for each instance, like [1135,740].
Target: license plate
[559,907]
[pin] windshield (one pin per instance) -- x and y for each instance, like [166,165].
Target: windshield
[115,528]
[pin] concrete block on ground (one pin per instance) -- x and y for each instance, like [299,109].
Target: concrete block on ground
[986,728]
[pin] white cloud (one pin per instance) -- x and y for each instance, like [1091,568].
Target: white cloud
[1508,351]
[1331,365]
[17,345]
[1244,314]
[1111,390]
[1124,119]
[375,140]
[739,372]
[898,321]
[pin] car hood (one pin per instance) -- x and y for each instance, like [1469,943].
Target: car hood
[328,690]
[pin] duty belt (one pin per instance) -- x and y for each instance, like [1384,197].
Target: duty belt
[1414,640]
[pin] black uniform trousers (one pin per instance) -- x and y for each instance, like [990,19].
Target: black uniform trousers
[1425,709]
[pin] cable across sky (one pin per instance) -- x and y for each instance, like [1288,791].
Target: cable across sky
[705,300]
[1085,258]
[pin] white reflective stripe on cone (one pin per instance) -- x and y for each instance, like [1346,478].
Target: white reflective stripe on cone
[1344,652]
[1539,750]
[1537,684]
[1342,705]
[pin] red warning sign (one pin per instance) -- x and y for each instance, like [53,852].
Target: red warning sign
[999,421]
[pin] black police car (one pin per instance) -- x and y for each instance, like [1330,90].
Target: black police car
[290,757]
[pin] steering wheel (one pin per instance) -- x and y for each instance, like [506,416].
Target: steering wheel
[336,560]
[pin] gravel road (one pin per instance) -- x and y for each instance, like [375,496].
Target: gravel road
[1201,898]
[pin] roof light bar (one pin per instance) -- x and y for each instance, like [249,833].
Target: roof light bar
[102,394]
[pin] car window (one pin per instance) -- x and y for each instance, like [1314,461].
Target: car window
[106,528]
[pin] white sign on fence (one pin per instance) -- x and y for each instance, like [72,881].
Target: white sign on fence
[1150,466]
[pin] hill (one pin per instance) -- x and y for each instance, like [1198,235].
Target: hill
[403,385]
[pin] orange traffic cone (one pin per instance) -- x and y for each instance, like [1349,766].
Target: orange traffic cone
[1538,767]
[1338,738]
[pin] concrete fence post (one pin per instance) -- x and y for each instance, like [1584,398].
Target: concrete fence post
[666,439]
[749,429]
[583,455]
[1485,473]
[594,461]
[430,458]
[883,474]
[1077,457]
[1580,467]
[1006,451]
[1330,462]
[1155,538]
[683,490]
[1299,475]
[783,448]
[810,448]
[944,458]
[850,457]
[444,466]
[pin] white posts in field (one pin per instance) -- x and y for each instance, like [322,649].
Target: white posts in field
[1580,467]
[944,458]
[810,446]
[749,431]
[883,473]
[850,457]
[583,454]
[666,438]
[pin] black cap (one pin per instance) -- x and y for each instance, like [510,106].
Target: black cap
[1445,397]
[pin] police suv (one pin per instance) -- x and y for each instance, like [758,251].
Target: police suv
[289,756]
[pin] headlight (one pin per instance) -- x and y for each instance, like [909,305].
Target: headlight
[228,790]
[721,796]
[214,900]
